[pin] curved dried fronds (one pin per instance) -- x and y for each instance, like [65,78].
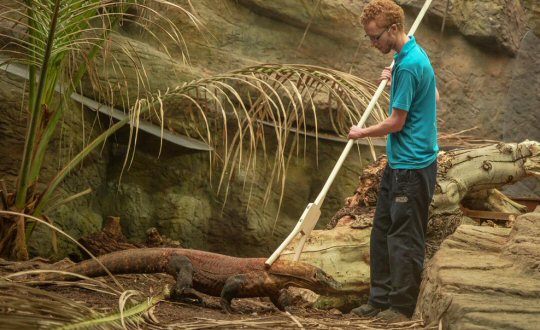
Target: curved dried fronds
[33,277]
[240,108]
[60,231]
[24,307]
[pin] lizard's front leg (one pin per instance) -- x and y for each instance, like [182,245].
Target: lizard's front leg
[181,268]
[252,284]
[280,299]
[232,288]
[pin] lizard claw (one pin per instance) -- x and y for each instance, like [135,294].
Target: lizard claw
[186,294]
[226,306]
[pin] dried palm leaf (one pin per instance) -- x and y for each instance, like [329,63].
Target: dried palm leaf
[237,110]
[24,307]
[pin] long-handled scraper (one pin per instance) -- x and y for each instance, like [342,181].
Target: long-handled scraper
[311,214]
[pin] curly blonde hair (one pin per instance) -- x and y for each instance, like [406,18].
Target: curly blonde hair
[385,12]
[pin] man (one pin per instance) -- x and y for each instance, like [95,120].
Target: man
[408,182]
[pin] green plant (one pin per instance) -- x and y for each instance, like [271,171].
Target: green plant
[57,41]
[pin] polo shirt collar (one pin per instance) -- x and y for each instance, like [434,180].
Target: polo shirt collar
[405,49]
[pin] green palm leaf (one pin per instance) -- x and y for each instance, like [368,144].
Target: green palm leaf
[58,33]
[58,40]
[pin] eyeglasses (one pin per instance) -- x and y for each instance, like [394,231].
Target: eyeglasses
[376,38]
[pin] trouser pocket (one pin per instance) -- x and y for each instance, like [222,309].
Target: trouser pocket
[406,185]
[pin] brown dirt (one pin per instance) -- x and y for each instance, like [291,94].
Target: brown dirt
[249,313]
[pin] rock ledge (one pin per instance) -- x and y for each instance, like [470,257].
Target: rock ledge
[485,278]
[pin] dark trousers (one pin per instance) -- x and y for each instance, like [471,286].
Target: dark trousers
[397,237]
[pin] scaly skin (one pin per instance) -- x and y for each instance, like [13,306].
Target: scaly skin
[211,273]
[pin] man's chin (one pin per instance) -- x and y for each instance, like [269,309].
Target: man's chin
[385,50]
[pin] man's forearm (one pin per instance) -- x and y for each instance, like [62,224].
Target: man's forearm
[392,124]
[381,129]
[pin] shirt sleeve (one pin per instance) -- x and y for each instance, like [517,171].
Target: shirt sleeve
[404,86]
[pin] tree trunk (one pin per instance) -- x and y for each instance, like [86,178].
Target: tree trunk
[466,171]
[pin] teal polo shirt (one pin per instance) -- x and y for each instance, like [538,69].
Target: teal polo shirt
[413,90]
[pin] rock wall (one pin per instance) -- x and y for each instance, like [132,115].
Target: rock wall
[479,57]
[175,194]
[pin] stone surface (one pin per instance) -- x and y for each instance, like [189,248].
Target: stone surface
[533,14]
[494,24]
[178,198]
[485,278]
[523,93]
[477,59]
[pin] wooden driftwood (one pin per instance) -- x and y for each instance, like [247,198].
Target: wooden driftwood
[107,240]
[111,239]
[469,171]
[471,177]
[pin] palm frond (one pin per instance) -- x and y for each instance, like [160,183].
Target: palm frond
[240,108]
[59,41]
[55,32]
[27,307]
[126,318]
[60,231]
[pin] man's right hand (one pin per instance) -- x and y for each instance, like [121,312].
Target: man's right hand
[386,74]
[356,133]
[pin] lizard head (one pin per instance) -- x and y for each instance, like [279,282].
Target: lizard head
[303,275]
